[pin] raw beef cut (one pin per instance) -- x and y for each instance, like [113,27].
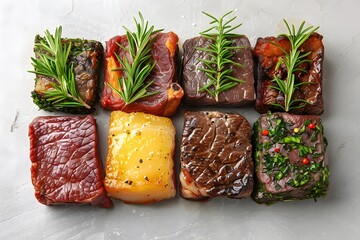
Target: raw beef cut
[66,167]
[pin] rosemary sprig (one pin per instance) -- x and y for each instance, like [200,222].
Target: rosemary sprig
[221,51]
[292,61]
[139,64]
[53,62]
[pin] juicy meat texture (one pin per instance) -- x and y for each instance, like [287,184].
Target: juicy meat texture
[268,54]
[169,95]
[66,167]
[281,171]
[86,56]
[215,156]
[193,78]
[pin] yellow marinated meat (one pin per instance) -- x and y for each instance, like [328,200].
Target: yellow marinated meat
[139,165]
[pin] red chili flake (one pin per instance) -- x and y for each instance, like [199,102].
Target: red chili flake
[305,161]
[311,126]
[277,150]
[265,132]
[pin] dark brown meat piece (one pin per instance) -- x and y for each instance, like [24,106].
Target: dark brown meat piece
[66,167]
[193,79]
[215,156]
[268,54]
[86,57]
[290,160]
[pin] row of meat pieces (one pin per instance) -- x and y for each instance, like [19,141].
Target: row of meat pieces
[281,158]
[87,57]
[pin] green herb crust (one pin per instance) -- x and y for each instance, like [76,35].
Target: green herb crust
[290,161]
[85,56]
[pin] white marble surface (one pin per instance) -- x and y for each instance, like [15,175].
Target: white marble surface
[335,217]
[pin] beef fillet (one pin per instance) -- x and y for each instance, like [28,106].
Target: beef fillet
[193,78]
[215,156]
[66,167]
[268,53]
[290,161]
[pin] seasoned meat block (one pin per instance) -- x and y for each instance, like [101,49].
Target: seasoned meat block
[139,164]
[193,78]
[66,167]
[290,161]
[268,54]
[215,156]
[86,57]
[166,101]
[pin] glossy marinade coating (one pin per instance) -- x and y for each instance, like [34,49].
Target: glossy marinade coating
[86,57]
[193,78]
[215,156]
[66,167]
[166,101]
[268,54]
[290,159]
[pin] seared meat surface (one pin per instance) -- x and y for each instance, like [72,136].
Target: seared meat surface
[215,156]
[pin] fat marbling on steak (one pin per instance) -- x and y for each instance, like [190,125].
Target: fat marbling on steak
[66,167]
[193,78]
[215,156]
[290,160]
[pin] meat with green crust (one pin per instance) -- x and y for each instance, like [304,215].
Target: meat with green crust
[290,159]
[86,57]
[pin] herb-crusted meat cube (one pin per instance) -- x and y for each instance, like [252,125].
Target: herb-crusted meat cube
[290,161]
[83,61]
[215,156]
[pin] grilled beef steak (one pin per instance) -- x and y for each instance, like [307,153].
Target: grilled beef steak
[193,78]
[169,92]
[290,161]
[66,167]
[215,156]
[268,53]
[86,57]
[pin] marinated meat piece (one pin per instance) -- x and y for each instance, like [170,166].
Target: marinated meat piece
[268,54]
[290,161]
[86,57]
[66,167]
[166,101]
[139,164]
[215,156]
[193,78]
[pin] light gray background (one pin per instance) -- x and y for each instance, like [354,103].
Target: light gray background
[336,217]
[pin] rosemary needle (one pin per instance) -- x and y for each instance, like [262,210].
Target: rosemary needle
[139,64]
[53,62]
[292,60]
[221,51]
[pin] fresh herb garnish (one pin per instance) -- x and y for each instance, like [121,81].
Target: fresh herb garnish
[138,65]
[53,62]
[292,60]
[221,51]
